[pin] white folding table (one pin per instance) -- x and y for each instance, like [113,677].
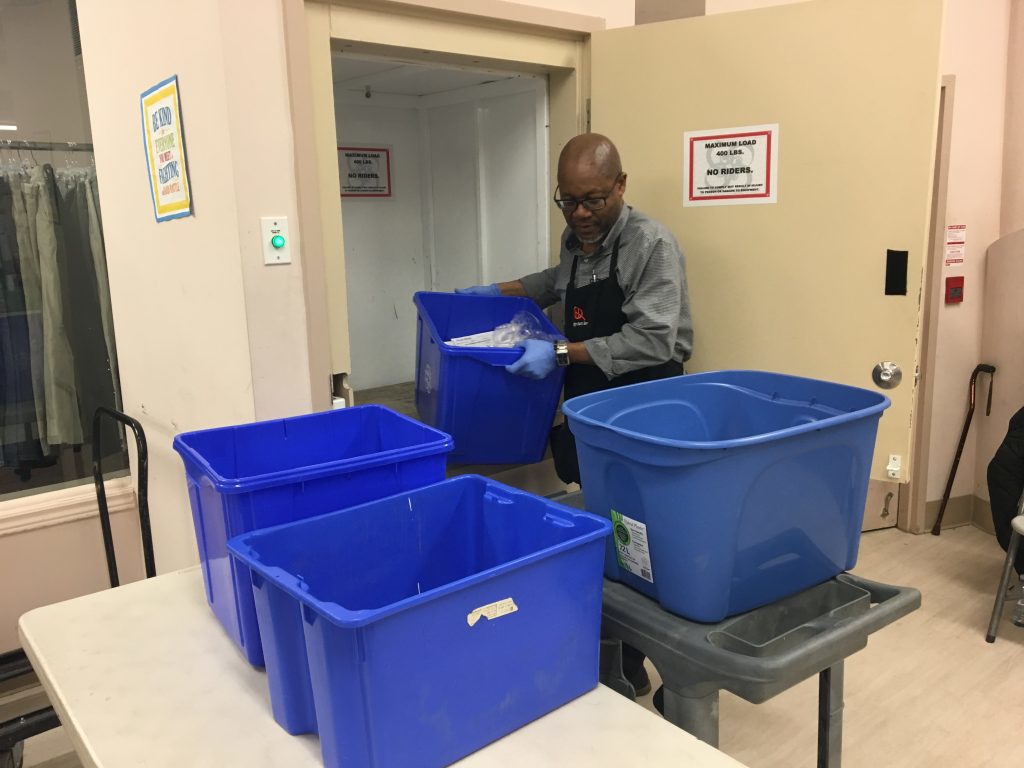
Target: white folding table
[143,676]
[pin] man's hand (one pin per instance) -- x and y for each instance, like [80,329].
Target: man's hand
[537,362]
[480,290]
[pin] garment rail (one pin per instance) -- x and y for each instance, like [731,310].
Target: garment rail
[46,146]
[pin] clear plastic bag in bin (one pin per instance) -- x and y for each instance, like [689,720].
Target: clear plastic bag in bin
[522,326]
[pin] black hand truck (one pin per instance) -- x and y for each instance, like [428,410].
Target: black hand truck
[14,664]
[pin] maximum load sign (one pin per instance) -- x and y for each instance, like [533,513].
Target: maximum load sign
[365,171]
[731,166]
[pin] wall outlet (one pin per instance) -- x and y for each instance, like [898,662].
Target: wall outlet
[895,466]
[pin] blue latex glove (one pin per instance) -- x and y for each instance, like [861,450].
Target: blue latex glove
[537,362]
[480,290]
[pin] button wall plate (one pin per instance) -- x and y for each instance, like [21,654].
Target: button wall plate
[277,243]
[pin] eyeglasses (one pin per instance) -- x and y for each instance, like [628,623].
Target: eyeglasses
[569,204]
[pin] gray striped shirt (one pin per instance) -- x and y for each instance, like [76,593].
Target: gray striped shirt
[652,274]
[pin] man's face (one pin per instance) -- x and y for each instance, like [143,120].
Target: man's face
[586,182]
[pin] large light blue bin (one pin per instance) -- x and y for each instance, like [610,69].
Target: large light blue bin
[413,630]
[747,486]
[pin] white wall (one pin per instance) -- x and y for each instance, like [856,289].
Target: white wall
[489,159]
[468,206]
[384,248]
[206,335]
[453,180]
[515,216]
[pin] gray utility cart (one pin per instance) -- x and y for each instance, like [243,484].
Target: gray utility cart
[755,655]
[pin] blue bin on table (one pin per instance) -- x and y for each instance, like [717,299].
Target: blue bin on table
[727,490]
[495,417]
[241,478]
[424,626]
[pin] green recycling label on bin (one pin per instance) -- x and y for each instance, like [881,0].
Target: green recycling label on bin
[631,546]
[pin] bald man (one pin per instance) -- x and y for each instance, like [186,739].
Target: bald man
[622,280]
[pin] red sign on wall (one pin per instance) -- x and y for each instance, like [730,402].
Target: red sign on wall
[365,171]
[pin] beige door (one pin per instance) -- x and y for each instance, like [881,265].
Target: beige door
[797,286]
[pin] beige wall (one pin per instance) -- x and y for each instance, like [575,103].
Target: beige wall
[206,335]
[51,549]
[728,6]
[613,13]
[616,13]
[1003,330]
[651,11]
[1003,317]
[974,50]
[1012,217]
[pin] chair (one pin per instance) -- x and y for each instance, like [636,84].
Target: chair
[1011,553]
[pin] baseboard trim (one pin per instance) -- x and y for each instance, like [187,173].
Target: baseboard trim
[982,517]
[959,511]
[66,505]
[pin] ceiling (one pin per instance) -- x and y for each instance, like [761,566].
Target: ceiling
[355,74]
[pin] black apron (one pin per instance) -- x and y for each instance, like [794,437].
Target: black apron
[1006,483]
[593,311]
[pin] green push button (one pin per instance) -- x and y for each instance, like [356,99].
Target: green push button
[277,241]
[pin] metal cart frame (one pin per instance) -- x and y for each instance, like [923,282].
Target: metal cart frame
[755,655]
[14,664]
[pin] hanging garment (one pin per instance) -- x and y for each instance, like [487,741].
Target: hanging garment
[63,423]
[99,257]
[82,302]
[25,206]
[19,441]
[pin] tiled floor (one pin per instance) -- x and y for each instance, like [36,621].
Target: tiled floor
[397,397]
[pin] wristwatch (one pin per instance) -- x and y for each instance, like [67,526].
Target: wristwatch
[562,352]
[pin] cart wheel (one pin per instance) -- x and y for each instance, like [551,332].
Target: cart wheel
[13,757]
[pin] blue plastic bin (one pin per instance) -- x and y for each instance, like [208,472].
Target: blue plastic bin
[494,416]
[251,476]
[728,490]
[434,621]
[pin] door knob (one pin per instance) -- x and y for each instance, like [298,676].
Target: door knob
[887,375]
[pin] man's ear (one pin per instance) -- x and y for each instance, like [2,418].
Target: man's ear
[622,184]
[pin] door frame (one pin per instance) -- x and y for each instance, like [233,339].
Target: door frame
[495,35]
[912,514]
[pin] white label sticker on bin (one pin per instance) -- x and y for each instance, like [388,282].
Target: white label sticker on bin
[492,611]
[631,546]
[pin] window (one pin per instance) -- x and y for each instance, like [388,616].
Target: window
[58,360]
